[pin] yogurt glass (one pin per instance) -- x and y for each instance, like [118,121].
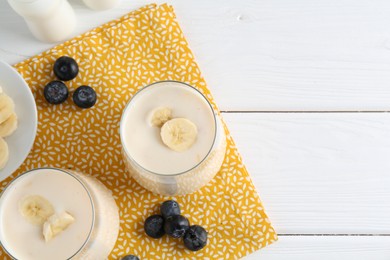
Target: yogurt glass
[48,20]
[151,163]
[93,233]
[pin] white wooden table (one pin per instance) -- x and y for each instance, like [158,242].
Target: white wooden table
[305,88]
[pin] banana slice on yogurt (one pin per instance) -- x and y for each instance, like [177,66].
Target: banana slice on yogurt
[160,116]
[55,224]
[179,134]
[36,209]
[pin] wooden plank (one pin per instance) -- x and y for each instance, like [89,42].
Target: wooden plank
[268,55]
[325,248]
[319,173]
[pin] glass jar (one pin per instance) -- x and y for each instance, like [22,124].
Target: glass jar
[48,20]
[154,165]
[93,233]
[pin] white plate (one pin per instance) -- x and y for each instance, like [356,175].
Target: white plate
[22,140]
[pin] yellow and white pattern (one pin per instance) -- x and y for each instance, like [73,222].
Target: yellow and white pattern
[117,59]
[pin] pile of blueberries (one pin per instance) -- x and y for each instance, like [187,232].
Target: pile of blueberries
[56,92]
[170,222]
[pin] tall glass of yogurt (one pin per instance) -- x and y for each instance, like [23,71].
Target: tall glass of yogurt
[50,213]
[173,141]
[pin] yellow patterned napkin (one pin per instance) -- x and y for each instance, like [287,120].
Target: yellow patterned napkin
[117,59]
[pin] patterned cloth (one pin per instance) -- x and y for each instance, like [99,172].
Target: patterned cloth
[117,59]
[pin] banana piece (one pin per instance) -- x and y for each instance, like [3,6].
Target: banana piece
[55,224]
[7,107]
[4,153]
[179,134]
[160,115]
[9,126]
[36,209]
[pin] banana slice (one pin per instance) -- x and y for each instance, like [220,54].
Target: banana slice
[9,126]
[179,134]
[55,224]
[36,209]
[161,115]
[4,154]
[7,107]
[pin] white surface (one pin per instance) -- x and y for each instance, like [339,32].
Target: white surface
[317,173]
[21,141]
[327,248]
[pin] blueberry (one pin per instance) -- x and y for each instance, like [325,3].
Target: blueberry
[170,208]
[195,238]
[154,226]
[84,97]
[56,92]
[66,68]
[130,257]
[176,226]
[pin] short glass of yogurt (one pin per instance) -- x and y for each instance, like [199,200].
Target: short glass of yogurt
[50,213]
[173,141]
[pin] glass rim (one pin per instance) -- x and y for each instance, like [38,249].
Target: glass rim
[121,128]
[76,178]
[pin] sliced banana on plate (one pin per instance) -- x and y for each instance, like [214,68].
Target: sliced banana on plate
[9,126]
[4,153]
[55,224]
[179,134]
[160,116]
[7,107]
[36,209]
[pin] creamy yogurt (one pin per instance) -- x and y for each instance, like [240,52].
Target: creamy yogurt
[143,141]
